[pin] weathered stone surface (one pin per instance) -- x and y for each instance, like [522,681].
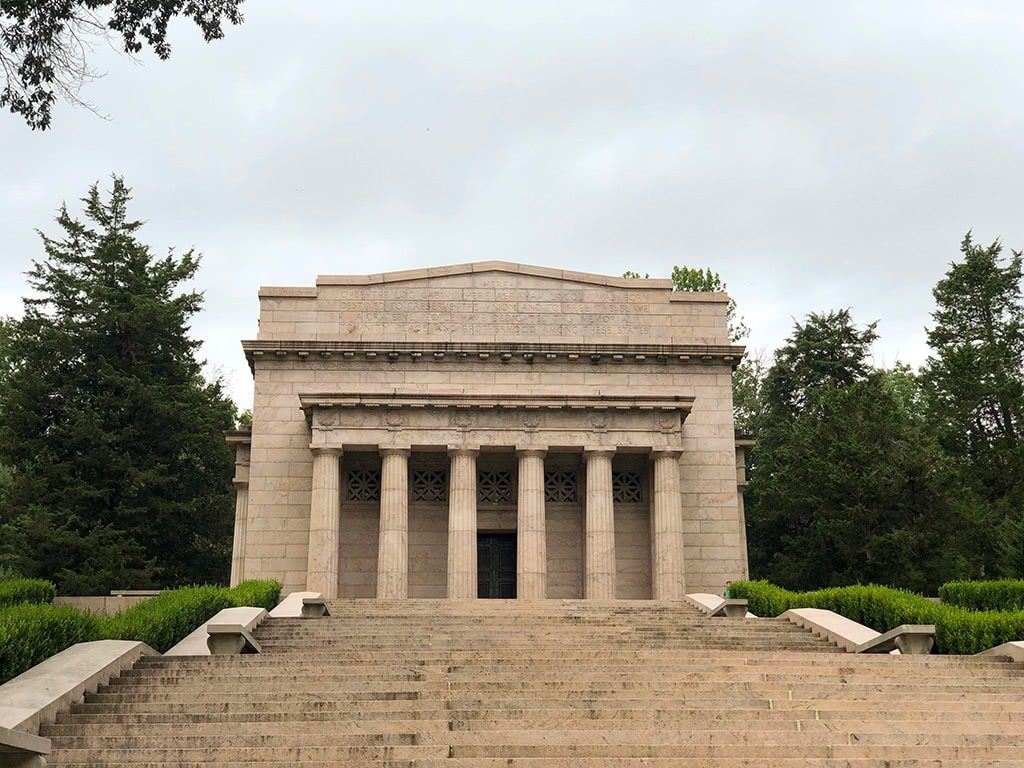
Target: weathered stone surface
[490,357]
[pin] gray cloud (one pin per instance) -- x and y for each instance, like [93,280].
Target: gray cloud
[816,154]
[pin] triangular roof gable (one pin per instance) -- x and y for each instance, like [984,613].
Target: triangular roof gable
[506,267]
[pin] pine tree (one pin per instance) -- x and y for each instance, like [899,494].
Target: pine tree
[975,385]
[120,476]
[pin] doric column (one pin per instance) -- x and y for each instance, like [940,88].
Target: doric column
[241,521]
[531,547]
[393,553]
[599,577]
[667,577]
[324,523]
[462,567]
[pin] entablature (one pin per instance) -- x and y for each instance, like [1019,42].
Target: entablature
[438,418]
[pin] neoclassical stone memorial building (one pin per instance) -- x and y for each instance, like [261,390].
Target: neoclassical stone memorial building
[490,430]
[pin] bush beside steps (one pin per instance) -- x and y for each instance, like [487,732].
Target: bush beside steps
[957,630]
[31,633]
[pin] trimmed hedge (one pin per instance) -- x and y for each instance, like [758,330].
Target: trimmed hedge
[257,593]
[15,591]
[30,634]
[957,630]
[162,621]
[1003,595]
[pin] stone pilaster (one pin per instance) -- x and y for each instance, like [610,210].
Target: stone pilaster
[324,523]
[393,552]
[531,545]
[241,523]
[462,565]
[667,577]
[599,573]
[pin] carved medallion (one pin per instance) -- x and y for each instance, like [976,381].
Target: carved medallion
[394,420]
[668,421]
[462,418]
[326,417]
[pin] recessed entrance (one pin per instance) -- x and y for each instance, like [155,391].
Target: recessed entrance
[496,565]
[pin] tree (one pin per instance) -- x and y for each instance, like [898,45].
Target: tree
[848,483]
[827,350]
[120,476]
[974,381]
[44,46]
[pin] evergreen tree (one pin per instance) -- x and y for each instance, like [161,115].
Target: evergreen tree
[847,482]
[975,385]
[120,476]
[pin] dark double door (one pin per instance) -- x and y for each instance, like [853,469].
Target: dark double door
[496,565]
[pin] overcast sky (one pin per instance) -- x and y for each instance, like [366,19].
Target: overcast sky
[816,154]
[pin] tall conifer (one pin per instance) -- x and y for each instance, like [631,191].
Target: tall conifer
[120,476]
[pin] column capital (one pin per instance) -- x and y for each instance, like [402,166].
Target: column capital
[324,450]
[463,450]
[531,451]
[665,453]
[394,451]
[591,450]
[240,482]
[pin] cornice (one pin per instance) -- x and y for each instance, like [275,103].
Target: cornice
[528,352]
[456,399]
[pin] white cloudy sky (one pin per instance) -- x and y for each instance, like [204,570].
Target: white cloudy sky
[817,154]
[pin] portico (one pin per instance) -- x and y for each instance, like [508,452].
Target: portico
[524,428]
[411,429]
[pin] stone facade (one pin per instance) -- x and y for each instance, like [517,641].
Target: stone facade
[399,416]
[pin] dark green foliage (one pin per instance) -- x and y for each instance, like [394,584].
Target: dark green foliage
[30,634]
[14,591]
[826,351]
[1003,595]
[957,630]
[162,621]
[43,45]
[257,593]
[974,382]
[119,476]
[848,484]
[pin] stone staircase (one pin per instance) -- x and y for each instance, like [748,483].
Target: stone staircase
[433,683]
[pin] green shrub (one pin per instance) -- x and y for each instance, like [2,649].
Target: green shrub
[30,634]
[1004,595]
[162,621]
[14,591]
[257,593]
[957,630]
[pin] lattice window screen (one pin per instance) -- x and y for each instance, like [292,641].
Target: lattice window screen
[560,485]
[494,487]
[429,485]
[363,485]
[626,487]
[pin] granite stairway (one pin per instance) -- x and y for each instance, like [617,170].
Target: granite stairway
[434,683]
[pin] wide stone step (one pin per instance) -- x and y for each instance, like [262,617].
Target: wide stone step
[506,751]
[596,762]
[766,729]
[539,738]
